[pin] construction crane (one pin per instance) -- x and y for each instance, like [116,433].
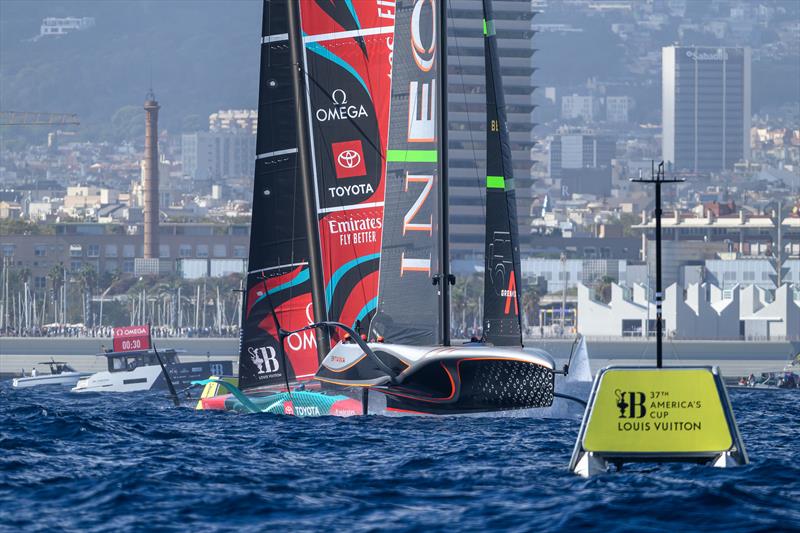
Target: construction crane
[31,118]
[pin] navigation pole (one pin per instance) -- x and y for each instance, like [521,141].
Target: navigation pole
[303,157]
[443,278]
[657,178]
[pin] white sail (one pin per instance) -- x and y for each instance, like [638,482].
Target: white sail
[579,369]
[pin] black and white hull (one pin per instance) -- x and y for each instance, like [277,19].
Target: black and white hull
[141,371]
[446,380]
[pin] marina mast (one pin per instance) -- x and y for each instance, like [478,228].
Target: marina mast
[657,178]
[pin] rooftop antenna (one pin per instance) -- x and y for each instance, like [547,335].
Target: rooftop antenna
[657,178]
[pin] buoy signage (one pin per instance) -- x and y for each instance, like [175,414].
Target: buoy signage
[657,411]
[132,338]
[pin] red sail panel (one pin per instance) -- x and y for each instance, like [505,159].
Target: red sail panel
[348,63]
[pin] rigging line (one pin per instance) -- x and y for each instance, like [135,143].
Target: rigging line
[279,331]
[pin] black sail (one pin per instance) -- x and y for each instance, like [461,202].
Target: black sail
[278,286]
[407,310]
[501,310]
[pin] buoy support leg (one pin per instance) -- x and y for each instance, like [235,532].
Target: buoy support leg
[590,465]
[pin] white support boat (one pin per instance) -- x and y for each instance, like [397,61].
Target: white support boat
[60,374]
[140,371]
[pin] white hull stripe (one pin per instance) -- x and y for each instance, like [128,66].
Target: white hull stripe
[287,265]
[348,34]
[276,153]
[349,207]
[275,38]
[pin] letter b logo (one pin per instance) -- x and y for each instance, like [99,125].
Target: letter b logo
[270,359]
[631,404]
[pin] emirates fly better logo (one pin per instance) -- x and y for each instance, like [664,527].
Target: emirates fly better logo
[348,159]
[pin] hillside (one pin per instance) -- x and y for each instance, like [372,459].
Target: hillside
[203,56]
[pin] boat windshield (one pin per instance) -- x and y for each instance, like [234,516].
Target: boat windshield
[127,362]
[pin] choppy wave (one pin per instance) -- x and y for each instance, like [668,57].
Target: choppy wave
[133,462]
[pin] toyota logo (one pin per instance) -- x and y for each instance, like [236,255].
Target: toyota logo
[349,159]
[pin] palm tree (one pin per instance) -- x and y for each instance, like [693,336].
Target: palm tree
[56,277]
[603,288]
[87,279]
[530,303]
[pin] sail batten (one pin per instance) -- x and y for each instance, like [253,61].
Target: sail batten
[502,279]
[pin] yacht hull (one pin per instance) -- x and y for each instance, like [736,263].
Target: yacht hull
[446,380]
[65,379]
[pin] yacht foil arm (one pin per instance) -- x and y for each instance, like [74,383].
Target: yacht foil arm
[383,367]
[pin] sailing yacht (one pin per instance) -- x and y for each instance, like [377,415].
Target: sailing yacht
[350,223]
[431,375]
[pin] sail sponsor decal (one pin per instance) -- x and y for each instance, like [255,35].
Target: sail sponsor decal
[348,66]
[283,294]
[348,157]
[340,109]
[501,316]
[407,304]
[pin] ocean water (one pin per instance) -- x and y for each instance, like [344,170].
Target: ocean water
[133,462]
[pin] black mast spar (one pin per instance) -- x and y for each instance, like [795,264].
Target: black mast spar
[444,279]
[304,155]
[657,179]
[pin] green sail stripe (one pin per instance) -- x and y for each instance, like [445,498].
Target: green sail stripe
[488,27]
[412,156]
[495,182]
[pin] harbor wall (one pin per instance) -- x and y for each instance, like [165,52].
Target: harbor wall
[734,357]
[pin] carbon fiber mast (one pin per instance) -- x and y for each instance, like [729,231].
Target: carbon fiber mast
[502,324]
[443,279]
[304,157]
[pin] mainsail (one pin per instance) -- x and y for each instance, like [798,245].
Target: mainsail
[348,68]
[407,308]
[501,313]
[277,283]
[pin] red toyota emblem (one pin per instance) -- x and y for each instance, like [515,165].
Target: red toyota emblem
[348,159]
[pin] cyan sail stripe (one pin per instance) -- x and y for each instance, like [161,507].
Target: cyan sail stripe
[353,12]
[340,273]
[301,277]
[327,54]
[368,307]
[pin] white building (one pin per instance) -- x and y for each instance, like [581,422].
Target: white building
[62,26]
[234,119]
[583,107]
[701,311]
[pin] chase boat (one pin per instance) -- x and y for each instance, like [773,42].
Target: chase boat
[140,371]
[60,374]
